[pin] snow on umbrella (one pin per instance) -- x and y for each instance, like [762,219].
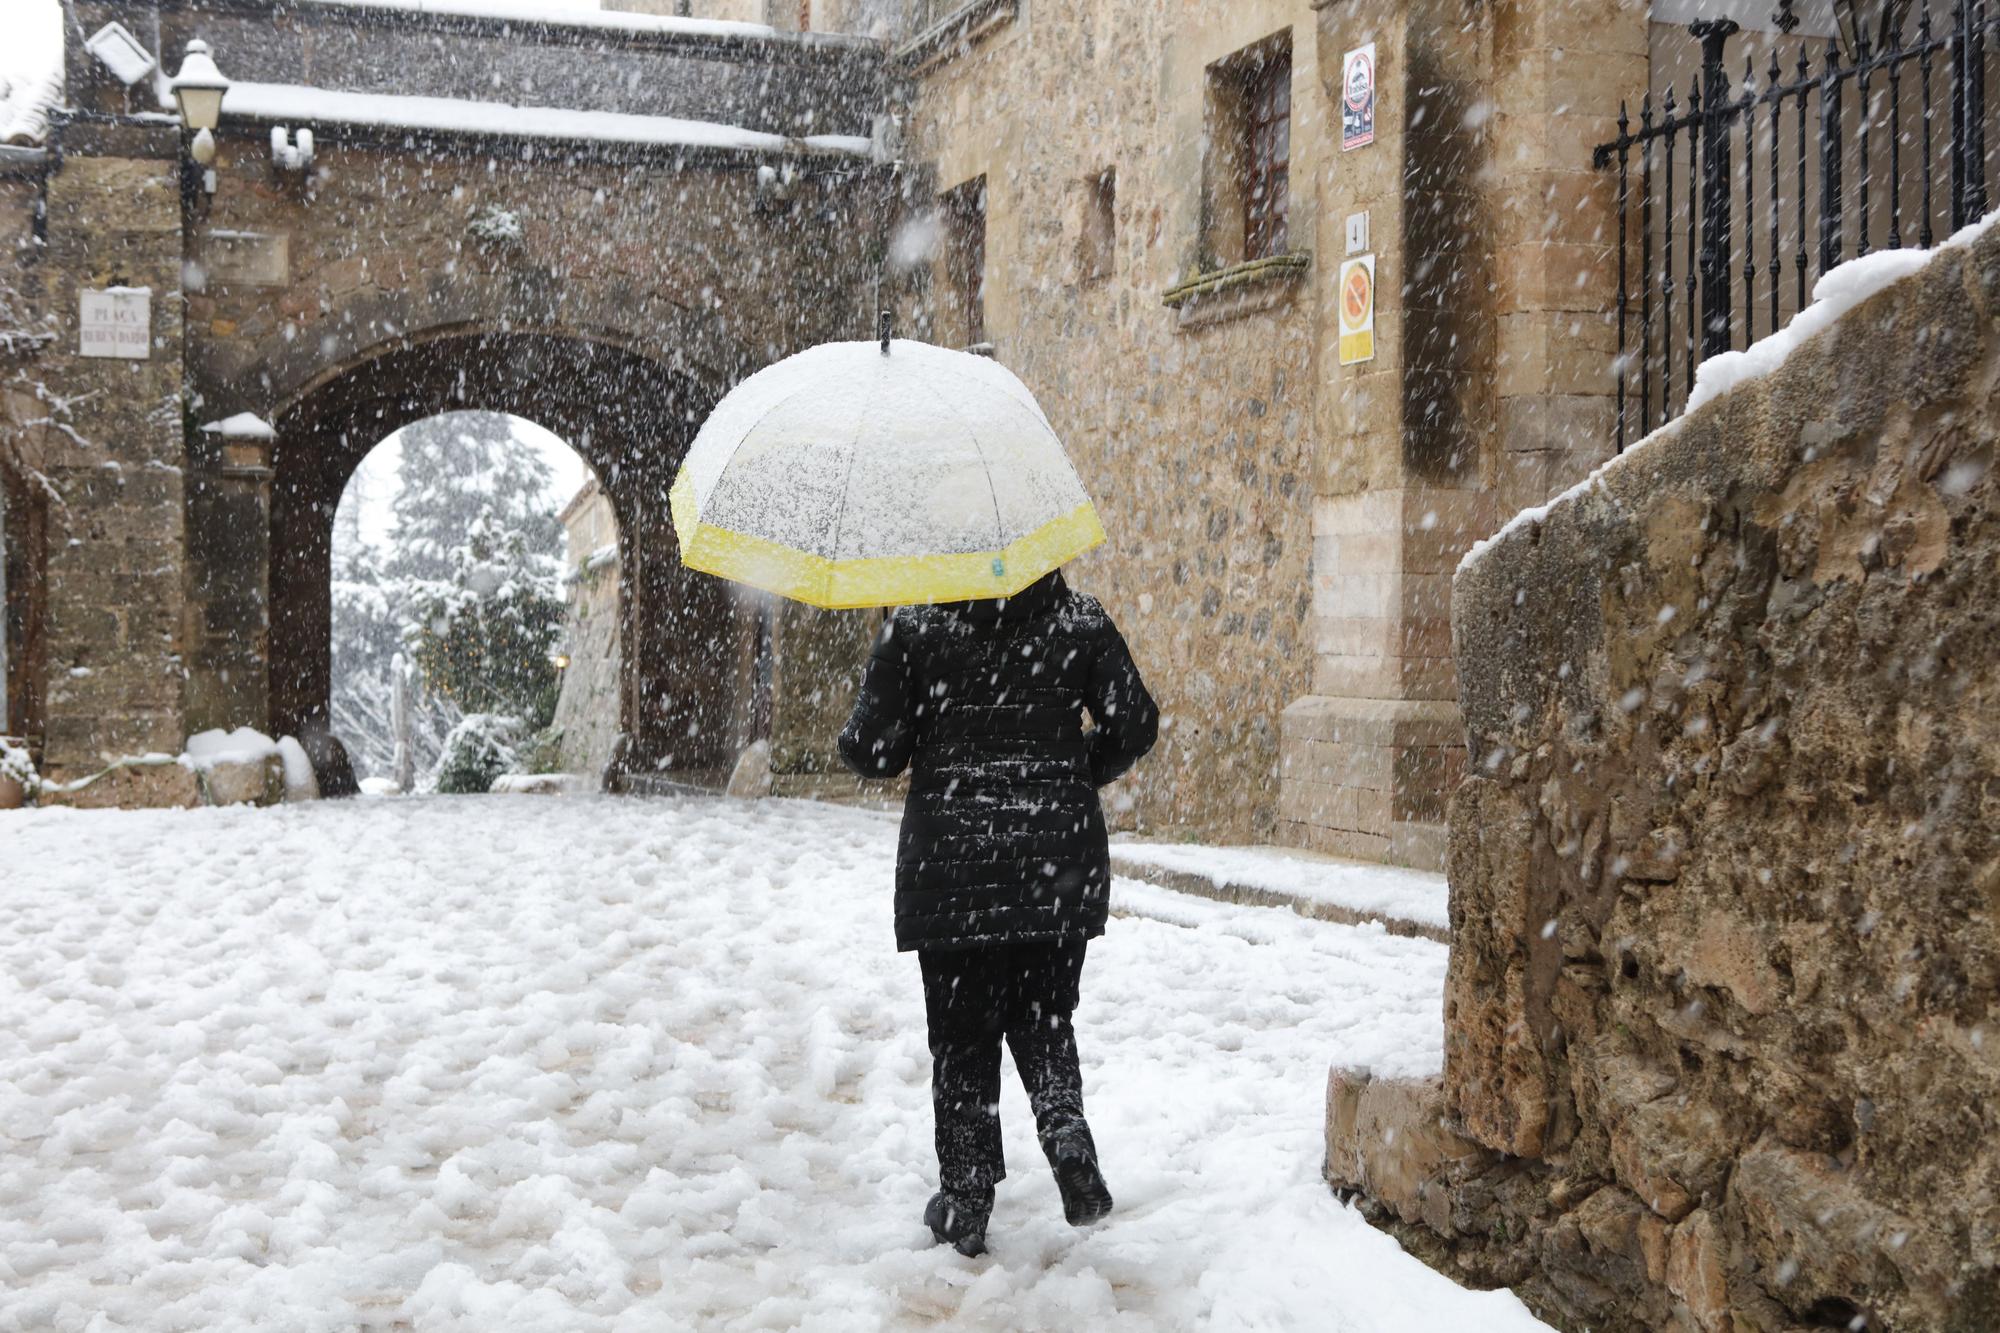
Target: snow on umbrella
[861,474]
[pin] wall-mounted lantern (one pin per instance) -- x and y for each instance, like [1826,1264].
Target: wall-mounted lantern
[198,90]
[289,151]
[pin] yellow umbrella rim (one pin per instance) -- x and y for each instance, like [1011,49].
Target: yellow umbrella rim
[871,581]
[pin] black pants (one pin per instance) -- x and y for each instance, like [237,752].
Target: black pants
[973,998]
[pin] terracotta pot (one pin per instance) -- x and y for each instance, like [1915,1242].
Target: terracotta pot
[12,797]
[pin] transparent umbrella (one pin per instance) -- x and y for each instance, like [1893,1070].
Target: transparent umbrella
[881,474]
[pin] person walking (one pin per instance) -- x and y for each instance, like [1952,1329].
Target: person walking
[1003,864]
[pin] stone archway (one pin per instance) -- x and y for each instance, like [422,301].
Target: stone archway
[684,689]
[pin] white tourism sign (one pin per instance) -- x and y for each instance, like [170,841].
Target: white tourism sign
[117,321]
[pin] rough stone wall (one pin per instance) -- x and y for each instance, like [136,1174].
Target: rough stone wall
[1725,876]
[1196,438]
[111,450]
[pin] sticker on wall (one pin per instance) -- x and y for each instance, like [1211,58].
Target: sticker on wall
[1357,309]
[1357,97]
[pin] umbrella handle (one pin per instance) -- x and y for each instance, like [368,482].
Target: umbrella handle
[883,322]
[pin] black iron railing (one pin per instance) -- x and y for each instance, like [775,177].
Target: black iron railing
[1842,153]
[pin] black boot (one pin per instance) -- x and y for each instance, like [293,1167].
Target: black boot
[960,1220]
[1085,1196]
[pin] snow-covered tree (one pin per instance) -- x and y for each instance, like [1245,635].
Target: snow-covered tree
[469,591]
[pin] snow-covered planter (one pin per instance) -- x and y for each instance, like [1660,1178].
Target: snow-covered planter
[18,779]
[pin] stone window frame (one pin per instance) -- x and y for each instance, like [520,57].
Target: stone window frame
[1230,281]
[1097,226]
[1240,118]
[952,29]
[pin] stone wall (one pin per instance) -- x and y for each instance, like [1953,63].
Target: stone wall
[1720,1043]
[110,443]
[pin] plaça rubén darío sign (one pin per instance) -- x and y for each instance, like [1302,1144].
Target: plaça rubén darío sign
[116,322]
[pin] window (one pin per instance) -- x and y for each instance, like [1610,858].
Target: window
[1096,242]
[1247,175]
[963,313]
[1266,185]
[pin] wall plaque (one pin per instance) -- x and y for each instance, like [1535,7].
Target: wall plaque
[247,258]
[117,321]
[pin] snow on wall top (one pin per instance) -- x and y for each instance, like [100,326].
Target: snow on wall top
[297,103]
[1838,291]
[526,11]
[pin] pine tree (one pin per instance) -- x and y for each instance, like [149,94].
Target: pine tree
[469,589]
[477,556]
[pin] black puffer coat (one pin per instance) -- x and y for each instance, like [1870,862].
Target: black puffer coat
[1003,839]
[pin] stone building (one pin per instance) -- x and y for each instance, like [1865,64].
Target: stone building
[587,705]
[1145,209]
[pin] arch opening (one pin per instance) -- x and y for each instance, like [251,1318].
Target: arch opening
[451,608]
[687,699]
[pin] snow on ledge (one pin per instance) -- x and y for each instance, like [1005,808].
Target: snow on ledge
[297,103]
[1360,887]
[1838,291]
[242,426]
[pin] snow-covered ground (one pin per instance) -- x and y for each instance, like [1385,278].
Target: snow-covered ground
[556,1063]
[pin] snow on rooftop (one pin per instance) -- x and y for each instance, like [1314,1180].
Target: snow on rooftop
[1838,291]
[25,103]
[610,20]
[242,426]
[297,103]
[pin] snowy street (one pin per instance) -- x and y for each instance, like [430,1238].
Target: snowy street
[552,1064]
